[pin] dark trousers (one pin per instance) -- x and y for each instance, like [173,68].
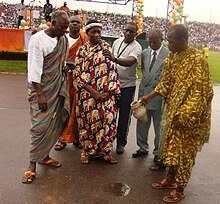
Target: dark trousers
[48,18]
[124,120]
[19,20]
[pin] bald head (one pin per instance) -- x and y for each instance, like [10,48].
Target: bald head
[60,23]
[59,15]
[177,38]
[155,38]
[179,31]
[155,33]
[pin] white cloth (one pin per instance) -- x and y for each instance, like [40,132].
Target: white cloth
[152,53]
[40,46]
[27,37]
[71,41]
[20,8]
[127,74]
[36,13]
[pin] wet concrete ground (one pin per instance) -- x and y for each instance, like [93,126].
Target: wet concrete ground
[128,182]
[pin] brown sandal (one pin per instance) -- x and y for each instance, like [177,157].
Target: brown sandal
[164,184]
[28,177]
[174,197]
[110,160]
[84,158]
[155,168]
[53,162]
[60,146]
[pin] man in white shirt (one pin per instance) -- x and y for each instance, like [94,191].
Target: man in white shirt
[125,53]
[47,92]
[20,9]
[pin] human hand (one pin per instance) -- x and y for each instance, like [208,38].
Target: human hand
[96,95]
[66,69]
[145,99]
[105,96]
[108,55]
[42,102]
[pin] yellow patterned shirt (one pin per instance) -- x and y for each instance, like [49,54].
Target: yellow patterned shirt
[187,89]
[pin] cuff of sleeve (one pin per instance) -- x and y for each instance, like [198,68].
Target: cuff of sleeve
[36,80]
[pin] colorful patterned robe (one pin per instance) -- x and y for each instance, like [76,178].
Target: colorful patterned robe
[187,88]
[96,119]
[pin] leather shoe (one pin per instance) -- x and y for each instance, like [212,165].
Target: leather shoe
[158,163]
[139,153]
[156,160]
[120,149]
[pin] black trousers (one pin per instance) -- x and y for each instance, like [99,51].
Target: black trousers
[48,18]
[124,120]
[19,20]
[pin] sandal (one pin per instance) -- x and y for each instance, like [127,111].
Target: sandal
[28,177]
[110,160]
[174,197]
[164,184]
[84,158]
[53,162]
[155,168]
[60,145]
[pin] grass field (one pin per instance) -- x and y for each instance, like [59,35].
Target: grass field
[214,66]
[13,66]
[21,66]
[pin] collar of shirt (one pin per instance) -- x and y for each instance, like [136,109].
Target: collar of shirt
[157,51]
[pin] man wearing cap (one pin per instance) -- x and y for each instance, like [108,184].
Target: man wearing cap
[96,80]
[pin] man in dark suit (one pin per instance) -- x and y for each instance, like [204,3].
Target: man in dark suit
[152,65]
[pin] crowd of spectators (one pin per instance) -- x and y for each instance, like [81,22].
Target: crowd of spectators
[200,33]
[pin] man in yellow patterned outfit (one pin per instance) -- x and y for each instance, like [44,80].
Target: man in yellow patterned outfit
[187,89]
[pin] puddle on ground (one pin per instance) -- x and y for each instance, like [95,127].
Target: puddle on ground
[118,189]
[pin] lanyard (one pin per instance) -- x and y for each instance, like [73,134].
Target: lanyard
[119,54]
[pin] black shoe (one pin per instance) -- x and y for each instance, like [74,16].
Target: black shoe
[77,144]
[156,160]
[158,163]
[120,149]
[139,153]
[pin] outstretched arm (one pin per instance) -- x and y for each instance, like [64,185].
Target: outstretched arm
[121,61]
[146,99]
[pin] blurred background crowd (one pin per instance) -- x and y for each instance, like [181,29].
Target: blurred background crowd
[200,33]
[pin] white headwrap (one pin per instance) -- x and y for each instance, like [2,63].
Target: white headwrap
[92,25]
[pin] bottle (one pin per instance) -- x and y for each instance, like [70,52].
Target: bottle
[139,111]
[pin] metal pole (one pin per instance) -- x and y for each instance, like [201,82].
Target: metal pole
[132,15]
[168,4]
